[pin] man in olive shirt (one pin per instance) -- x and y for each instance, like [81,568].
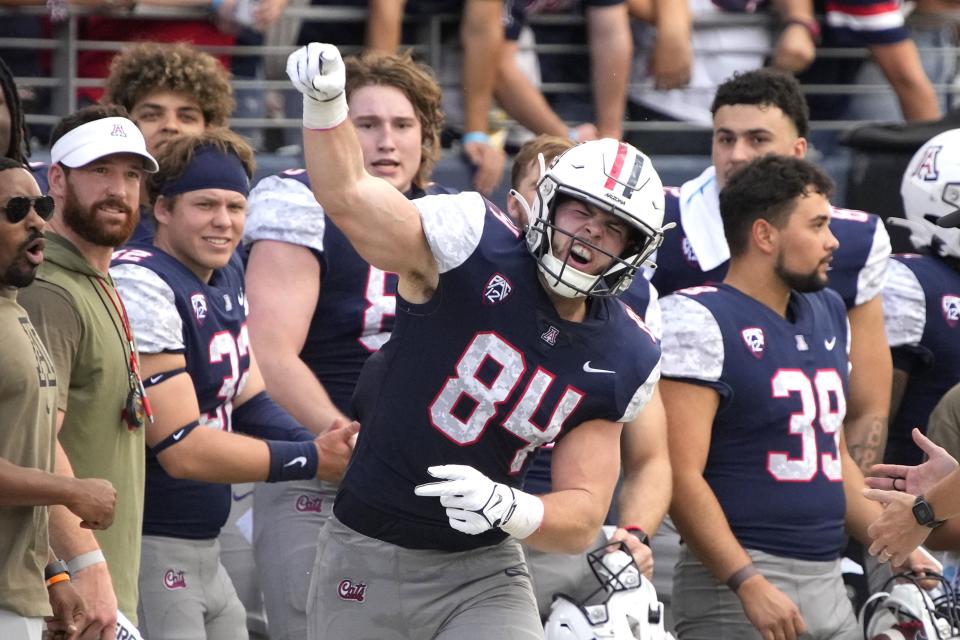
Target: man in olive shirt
[98,159]
[28,397]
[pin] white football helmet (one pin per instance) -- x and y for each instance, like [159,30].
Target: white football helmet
[616,178]
[930,190]
[912,612]
[626,604]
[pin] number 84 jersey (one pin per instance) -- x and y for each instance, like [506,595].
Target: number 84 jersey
[481,374]
[773,461]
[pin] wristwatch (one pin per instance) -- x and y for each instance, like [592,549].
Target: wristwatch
[923,512]
[55,568]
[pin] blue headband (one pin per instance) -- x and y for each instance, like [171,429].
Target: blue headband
[210,169]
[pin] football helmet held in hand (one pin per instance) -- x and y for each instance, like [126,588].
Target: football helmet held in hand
[623,607]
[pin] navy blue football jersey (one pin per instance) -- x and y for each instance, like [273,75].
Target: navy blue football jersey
[773,461]
[482,375]
[357,304]
[696,251]
[921,308]
[643,299]
[173,311]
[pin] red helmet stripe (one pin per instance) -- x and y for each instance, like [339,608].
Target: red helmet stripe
[614,174]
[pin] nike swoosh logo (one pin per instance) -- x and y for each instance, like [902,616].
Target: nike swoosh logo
[301,460]
[241,496]
[589,369]
[155,379]
[829,344]
[178,434]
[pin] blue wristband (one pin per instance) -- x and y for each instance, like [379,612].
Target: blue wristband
[216,4]
[292,461]
[573,135]
[475,136]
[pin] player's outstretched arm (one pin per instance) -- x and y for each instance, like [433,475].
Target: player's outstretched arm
[382,225]
[186,449]
[700,519]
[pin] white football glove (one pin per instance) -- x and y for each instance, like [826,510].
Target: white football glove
[317,72]
[475,503]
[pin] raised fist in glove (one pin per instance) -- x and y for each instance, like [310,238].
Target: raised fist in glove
[475,503]
[317,72]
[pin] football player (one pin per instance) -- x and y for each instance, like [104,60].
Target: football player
[502,343]
[185,296]
[921,300]
[336,308]
[755,387]
[644,493]
[759,113]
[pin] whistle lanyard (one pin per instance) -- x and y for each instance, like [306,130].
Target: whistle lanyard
[136,383]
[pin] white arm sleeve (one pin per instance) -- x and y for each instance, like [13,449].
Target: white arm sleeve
[284,209]
[453,225]
[692,345]
[642,396]
[653,318]
[150,305]
[904,306]
[872,277]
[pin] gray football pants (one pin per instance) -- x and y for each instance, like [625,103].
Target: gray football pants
[365,589]
[186,594]
[287,519]
[705,609]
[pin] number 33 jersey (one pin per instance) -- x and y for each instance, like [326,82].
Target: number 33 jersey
[173,311]
[482,374]
[773,461]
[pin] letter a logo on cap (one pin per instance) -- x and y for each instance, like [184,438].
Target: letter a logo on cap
[118,131]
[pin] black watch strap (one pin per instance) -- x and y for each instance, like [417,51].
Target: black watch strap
[55,568]
[923,512]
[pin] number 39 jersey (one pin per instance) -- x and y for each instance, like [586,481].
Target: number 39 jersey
[357,304]
[773,462]
[173,311]
[481,375]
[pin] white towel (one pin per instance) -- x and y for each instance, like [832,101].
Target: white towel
[701,222]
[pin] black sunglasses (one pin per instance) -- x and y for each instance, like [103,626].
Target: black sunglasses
[18,207]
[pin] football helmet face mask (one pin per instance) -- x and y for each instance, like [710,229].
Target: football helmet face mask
[625,605]
[930,190]
[909,611]
[619,180]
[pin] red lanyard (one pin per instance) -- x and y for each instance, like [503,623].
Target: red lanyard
[132,364]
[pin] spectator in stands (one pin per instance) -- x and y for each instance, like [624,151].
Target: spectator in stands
[28,399]
[188,310]
[98,159]
[878,26]
[644,491]
[481,35]
[671,57]
[227,16]
[611,49]
[336,308]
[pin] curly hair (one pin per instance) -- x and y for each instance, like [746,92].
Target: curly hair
[149,67]
[418,83]
[767,188]
[766,88]
[175,154]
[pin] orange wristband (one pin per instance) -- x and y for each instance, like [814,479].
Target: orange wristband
[60,577]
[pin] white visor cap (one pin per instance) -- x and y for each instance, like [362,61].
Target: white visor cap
[100,138]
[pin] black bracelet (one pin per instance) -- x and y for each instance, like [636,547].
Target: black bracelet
[741,575]
[810,24]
